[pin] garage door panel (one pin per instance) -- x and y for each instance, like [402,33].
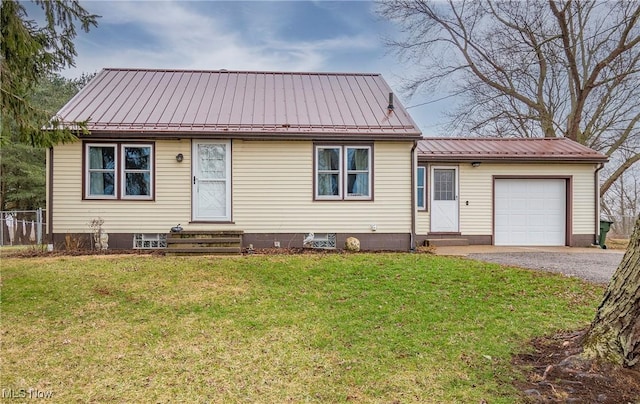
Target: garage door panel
[551,220]
[535,238]
[518,237]
[530,211]
[517,220]
[535,221]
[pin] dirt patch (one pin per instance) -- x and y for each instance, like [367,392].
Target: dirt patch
[288,251]
[36,252]
[39,252]
[617,243]
[554,375]
[319,251]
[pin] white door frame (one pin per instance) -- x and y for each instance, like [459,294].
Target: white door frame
[445,214]
[197,213]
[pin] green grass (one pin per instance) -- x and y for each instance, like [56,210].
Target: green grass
[9,249]
[318,328]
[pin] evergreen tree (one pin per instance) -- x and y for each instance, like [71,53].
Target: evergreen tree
[29,53]
[22,166]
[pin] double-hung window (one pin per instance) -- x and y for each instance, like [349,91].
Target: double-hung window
[118,171]
[328,168]
[101,171]
[136,171]
[358,173]
[343,172]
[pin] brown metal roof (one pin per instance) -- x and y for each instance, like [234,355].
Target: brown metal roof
[506,149]
[120,102]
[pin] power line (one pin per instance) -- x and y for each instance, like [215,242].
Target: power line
[436,100]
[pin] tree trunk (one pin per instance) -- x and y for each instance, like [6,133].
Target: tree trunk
[614,335]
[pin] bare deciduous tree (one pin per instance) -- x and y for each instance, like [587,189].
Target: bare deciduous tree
[531,68]
[614,334]
[622,202]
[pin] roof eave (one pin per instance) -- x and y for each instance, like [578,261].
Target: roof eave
[252,135]
[514,159]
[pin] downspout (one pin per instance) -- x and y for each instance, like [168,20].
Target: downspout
[49,205]
[412,246]
[596,185]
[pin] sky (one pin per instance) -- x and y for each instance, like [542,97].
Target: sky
[324,36]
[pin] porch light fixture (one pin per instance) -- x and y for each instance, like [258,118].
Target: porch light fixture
[179,157]
[475,164]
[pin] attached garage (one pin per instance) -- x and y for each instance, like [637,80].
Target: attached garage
[530,211]
[507,192]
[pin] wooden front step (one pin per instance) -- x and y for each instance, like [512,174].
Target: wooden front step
[204,251]
[204,242]
[445,242]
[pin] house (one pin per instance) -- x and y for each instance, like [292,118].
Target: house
[274,158]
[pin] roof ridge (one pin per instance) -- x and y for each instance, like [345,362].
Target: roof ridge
[301,73]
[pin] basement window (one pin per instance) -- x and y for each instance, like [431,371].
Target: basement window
[142,241]
[326,241]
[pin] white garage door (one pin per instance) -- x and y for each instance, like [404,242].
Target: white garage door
[530,212]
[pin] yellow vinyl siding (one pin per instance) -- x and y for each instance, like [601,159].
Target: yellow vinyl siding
[476,187]
[584,208]
[71,214]
[272,191]
[423,222]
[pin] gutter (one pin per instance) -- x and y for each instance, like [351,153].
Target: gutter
[49,205]
[596,186]
[412,243]
[519,159]
[335,135]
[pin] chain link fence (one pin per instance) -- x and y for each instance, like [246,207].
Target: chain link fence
[21,227]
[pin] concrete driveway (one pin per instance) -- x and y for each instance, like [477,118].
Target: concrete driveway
[592,264]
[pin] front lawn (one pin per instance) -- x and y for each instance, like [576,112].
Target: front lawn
[282,328]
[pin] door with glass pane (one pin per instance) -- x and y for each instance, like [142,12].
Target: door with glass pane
[211,180]
[444,199]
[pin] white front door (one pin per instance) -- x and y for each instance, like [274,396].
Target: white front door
[444,199]
[211,180]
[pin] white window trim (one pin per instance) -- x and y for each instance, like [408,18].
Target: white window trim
[347,172]
[124,171]
[424,187]
[119,183]
[87,180]
[340,172]
[343,173]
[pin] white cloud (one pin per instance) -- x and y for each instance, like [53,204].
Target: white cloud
[179,35]
[244,36]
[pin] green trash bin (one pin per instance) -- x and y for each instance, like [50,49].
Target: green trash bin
[605,225]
